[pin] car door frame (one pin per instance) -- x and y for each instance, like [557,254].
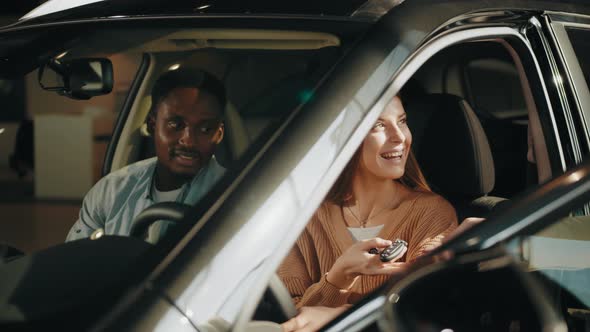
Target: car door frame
[569,66]
[390,70]
[568,74]
[371,309]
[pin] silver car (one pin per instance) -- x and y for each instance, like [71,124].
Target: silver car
[498,103]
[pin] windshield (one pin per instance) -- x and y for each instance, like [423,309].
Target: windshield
[188,107]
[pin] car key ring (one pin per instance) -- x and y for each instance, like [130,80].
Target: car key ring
[394,251]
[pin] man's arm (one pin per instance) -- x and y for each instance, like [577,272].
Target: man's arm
[91,215]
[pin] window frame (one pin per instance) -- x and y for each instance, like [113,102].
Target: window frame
[556,25]
[573,86]
[371,310]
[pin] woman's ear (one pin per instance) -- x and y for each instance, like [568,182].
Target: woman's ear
[220,132]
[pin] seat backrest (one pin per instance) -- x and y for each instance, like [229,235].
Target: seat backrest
[453,152]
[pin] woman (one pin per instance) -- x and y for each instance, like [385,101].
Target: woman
[380,196]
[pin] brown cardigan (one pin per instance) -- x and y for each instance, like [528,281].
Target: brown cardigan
[422,220]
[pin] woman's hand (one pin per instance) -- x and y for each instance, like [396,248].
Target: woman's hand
[463,226]
[357,260]
[312,319]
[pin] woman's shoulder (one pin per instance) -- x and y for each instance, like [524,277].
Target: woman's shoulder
[428,199]
[325,212]
[431,206]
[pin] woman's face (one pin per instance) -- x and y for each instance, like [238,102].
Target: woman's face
[385,149]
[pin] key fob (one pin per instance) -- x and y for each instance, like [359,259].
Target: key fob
[395,250]
[374,251]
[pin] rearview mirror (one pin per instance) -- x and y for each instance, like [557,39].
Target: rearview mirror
[77,78]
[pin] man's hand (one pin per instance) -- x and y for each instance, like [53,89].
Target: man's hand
[311,319]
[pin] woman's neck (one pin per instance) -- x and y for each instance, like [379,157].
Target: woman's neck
[375,194]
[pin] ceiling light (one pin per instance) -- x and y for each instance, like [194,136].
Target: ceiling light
[202,7]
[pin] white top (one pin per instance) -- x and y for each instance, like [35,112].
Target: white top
[166,196]
[359,234]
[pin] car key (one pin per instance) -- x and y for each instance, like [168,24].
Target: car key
[374,251]
[395,250]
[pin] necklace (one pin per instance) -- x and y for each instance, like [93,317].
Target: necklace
[363,223]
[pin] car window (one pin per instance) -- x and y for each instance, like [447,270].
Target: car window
[448,89]
[581,44]
[57,145]
[559,256]
[266,76]
[488,79]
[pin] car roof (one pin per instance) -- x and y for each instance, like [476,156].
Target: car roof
[83,9]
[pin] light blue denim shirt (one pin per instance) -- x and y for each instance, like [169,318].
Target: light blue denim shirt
[116,199]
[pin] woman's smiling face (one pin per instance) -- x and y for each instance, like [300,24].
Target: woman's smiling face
[385,149]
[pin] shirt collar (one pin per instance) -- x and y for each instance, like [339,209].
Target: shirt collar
[150,194]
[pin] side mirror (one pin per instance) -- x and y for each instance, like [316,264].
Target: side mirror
[77,78]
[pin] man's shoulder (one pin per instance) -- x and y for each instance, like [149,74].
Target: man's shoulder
[130,173]
[210,173]
[137,168]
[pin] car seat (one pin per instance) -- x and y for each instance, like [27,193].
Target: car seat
[453,152]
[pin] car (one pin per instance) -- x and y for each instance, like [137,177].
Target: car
[497,99]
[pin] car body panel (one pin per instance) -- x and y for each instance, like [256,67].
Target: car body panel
[54,6]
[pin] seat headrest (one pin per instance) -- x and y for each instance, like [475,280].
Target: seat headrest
[451,145]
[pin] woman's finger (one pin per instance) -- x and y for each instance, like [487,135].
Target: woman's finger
[375,242]
[308,328]
[293,324]
[379,267]
[394,268]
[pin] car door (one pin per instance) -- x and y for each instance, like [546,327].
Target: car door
[321,139]
[548,108]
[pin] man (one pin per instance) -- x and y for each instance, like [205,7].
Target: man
[186,123]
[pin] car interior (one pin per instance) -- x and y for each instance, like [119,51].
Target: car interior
[273,65]
[469,120]
[485,79]
[267,74]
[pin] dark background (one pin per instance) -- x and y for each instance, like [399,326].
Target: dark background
[18,7]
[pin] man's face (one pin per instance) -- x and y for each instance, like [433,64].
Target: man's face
[187,127]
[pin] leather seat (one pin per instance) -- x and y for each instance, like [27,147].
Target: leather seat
[453,152]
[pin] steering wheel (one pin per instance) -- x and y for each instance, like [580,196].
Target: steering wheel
[282,296]
[172,211]
[176,212]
